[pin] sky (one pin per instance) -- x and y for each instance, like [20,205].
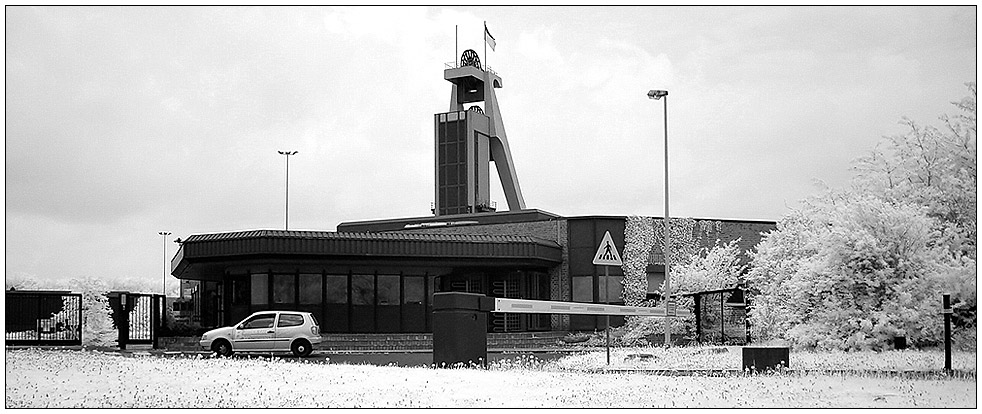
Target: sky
[122,122]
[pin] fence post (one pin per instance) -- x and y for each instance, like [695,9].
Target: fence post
[698,320]
[746,313]
[946,310]
[37,317]
[154,319]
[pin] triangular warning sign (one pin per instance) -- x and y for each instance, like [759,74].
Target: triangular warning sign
[607,252]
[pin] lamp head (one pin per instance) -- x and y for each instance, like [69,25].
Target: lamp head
[657,94]
[287,152]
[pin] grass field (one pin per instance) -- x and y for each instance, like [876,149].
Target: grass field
[46,378]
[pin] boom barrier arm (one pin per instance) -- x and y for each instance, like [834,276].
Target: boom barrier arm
[578,308]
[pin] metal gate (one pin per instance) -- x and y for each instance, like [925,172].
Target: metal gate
[721,317]
[140,315]
[43,318]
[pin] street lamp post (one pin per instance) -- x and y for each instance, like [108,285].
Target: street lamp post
[288,154]
[163,237]
[656,95]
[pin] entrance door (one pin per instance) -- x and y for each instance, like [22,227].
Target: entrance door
[413,307]
[505,286]
[387,305]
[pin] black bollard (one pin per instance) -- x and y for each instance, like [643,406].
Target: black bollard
[946,310]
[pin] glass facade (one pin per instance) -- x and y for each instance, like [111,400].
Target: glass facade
[378,302]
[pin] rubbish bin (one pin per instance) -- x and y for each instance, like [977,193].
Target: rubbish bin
[460,329]
[900,343]
[762,358]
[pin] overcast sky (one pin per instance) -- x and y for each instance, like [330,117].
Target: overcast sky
[122,122]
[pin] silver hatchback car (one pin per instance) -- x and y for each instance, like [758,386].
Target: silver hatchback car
[266,331]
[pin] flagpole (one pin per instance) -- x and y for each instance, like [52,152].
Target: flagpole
[485,45]
[454,45]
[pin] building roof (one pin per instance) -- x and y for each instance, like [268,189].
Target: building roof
[499,217]
[370,248]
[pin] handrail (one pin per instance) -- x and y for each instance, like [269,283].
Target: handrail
[455,65]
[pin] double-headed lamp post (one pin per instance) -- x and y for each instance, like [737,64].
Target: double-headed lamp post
[163,237]
[288,154]
[656,95]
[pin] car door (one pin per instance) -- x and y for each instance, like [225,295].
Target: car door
[286,329]
[255,333]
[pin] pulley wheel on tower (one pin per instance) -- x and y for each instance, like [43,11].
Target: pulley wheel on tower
[470,58]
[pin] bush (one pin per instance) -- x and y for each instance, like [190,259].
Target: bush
[852,271]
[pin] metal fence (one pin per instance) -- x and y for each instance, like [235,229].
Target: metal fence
[138,317]
[43,318]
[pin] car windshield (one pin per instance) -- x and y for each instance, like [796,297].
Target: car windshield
[315,319]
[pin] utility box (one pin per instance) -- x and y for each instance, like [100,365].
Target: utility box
[762,358]
[460,329]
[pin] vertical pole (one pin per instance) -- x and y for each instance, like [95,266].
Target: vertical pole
[455,55]
[722,320]
[668,283]
[485,37]
[946,309]
[607,300]
[286,225]
[37,323]
[746,314]
[698,320]
[163,241]
[154,318]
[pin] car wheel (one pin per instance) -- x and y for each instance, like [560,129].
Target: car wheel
[222,348]
[301,348]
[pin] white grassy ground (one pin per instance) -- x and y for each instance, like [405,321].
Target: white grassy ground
[698,358]
[42,378]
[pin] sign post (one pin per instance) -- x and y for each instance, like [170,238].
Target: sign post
[607,256]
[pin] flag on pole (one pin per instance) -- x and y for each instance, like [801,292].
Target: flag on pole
[487,37]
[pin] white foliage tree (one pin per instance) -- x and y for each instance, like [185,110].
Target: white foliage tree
[853,268]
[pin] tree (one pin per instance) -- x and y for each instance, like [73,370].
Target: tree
[935,168]
[705,269]
[853,268]
[853,271]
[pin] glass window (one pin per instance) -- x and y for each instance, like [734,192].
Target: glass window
[583,289]
[413,290]
[614,286]
[363,289]
[388,290]
[289,319]
[337,289]
[655,281]
[310,289]
[264,320]
[240,291]
[284,289]
[260,289]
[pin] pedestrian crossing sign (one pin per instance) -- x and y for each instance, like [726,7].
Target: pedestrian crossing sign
[607,252]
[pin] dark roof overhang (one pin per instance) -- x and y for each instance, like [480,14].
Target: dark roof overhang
[499,217]
[433,249]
